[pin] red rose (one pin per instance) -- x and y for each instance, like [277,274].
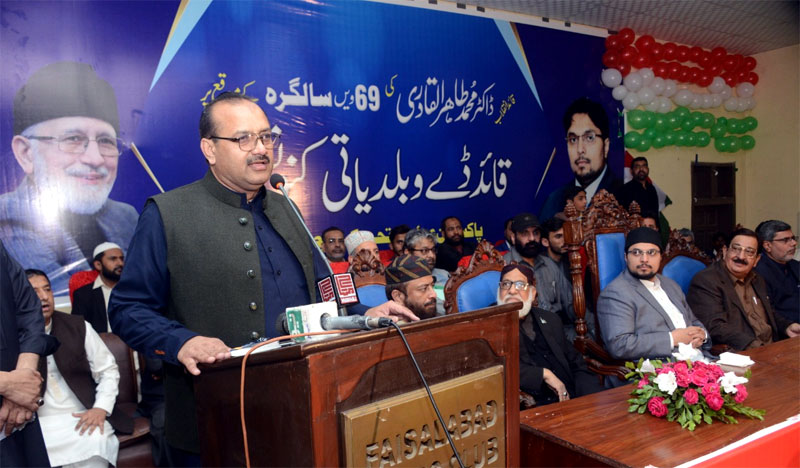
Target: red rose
[682,378]
[656,407]
[741,394]
[716,372]
[711,388]
[645,381]
[698,377]
[714,400]
[691,396]
[680,367]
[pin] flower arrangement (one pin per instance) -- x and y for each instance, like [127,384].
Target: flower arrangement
[689,392]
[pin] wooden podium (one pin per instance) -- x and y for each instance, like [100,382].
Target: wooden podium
[356,400]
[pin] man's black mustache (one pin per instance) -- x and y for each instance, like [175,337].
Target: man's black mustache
[740,261]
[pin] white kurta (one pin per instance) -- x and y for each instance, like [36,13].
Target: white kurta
[64,444]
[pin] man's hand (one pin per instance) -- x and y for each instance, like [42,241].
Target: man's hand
[793,330]
[689,335]
[90,419]
[556,384]
[22,387]
[202,349]
[392,310]
[13,415]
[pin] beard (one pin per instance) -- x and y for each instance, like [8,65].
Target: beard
[529,250]
[644,276]
[112,275]
[454,241]
[424,310]
[589,177]
[526,305]
[66,192]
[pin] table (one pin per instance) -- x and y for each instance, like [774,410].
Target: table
[597,430]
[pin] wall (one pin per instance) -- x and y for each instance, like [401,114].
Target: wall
[768,176]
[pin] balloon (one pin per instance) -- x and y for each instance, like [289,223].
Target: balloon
[670,88]
[611,59]
[657,51]
[682,113]
[729,63]
[613,42]
[659,141]
[702,139]
[747,142]
[632,139]
[731,104]
[619,92]
[715,68]
[680,138]
[718,130]
[704,78]
[647,76]
[719,52]
[661,69]
[624,68]
[751,102]
[708,120]
[658,85]
[717,100]
[631,101]
[694,74]
[646,96]
[673,70]
[669,51]
[687,124]
[705,101]
[742,106]
[695,53]
[682,53]
[749,63]
[650,133]
[690,139]
[644,145]
[722,120]
[664,105]
[705,59]
[684,75]
[683,97]
[644,43]
[741,75]
[721,144]
[726,92]
[662,123]
[733,126]
[653,106]
[696,100]
[642,60]
[626,35]
[752,78]
[628,55]
[611,77]
[730,79]
[670,137]
[697,118]
[717,84]
[745,89]
[750,123]
[734,144]
[636,119]
[673,121]
[649,119]
[633,82]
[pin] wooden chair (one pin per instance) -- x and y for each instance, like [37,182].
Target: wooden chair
[601,231]
[135,449]
[370,279]
[682,261]
[475,286]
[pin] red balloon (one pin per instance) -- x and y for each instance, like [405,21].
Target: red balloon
[642,60]
[749,63]
[661,69]
[695,53]
[704,79]
[682,53]
[705,59]
[629,54]
[644,43]
[657,51]
[752,78]
[613,42]
[719,52]
[627,35]
[611,59]
[729,78]
[741,75]
[669,51]
[715,69]
[684,75]
[694,74]
[625,68]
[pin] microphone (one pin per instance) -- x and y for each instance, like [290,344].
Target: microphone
[330,322]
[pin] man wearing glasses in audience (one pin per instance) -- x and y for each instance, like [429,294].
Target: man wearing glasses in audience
[732,299]
[779,268]
[643,314]
[65,140]
[587,136]
[550,368]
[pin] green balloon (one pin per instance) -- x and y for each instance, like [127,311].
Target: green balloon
[718,130]
[751,123]
[636,119]
[659,141]
[649,118]
[708,120]
[688,124]
[632,139]
[673,121]
[748,142]
[644,145]
[670,138]
[650,133]
[702,139]
[721,144]
[690,139]
[682,112]
[734,144]
[680,138]
[697,118]
[662,123]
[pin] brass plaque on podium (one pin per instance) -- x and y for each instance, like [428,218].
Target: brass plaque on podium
[404,430]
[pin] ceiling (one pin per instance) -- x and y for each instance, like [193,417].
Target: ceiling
[741,26]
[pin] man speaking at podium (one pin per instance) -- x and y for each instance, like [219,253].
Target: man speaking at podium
[212,264]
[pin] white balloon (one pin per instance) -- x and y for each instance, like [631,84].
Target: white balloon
[647,76]
[696,101]
[707,101]
[726,92]
[742,105]
[716,85]
[653,106]
[745,90]
[646,96]
[683,97]
[619,92]
[664,105]
[658,85]
[633,81]
[731,104]
[611,77]
[717,98]
[670,88]
[751,102]
[631,101]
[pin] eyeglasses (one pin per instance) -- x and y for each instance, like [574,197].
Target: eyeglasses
[639,252]
[518,285]
[335,241]
[424,251]
[247,142]
[785,240]
[75,143]
[588,138]
[748,252]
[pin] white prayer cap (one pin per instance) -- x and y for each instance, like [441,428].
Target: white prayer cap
[103,247]
[356,238]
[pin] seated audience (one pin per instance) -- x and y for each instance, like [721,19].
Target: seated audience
[687,235]
[507,243]
[409,282]
[550,368]
[454,246]
[553,242]
[397,238]
[81,387]
[732,301]
[357,241]
[650,220]
[779,269]
[639,189]
[643,314]
[333,248]
[422,243]
[91,300]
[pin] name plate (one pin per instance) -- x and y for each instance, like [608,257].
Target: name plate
[404,430]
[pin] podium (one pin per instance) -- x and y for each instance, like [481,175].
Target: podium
[356,399]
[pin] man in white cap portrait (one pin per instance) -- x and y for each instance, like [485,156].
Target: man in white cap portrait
[65,141]
[361,241]
[91,300]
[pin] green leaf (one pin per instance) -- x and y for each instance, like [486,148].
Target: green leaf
[630,365]
[633,408]
[707,419]
[641,409]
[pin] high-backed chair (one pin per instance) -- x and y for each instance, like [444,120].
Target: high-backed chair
[135,449]
[370,279]
[80,278]
[682,261]
[601,231]
[475,286]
